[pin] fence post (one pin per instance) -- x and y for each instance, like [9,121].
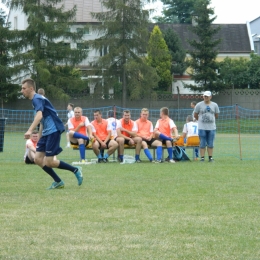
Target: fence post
[238,129]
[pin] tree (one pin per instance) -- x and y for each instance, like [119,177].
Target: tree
[45,45]
[233,73]
[123,39]
[178,54]
[254,71]
[8,90]
[204,50]
[177,11]
[159,58]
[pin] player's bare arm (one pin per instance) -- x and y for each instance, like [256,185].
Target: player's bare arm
[175,132]
[216,116]
[35,123]
[89,130]
[196,116]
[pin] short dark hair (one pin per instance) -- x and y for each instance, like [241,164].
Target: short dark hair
[127,111]
[98,111]
[35,132]
[110,113]
[72,105]
[194,103]
[30,82]
[165,110]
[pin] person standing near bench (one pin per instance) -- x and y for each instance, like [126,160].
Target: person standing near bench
[80,131]
[69,115]
[50,131]
[127,131]
[164,129]
[206,113]
[145,131]
[102,134]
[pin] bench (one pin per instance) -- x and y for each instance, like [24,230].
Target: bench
[191,143]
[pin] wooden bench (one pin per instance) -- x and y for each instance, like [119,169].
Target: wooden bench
[192,143]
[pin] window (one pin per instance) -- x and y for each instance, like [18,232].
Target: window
[84,30]
[82,46]
[103,51]
[15,23]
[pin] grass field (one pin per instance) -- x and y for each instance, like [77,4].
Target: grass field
[142,211]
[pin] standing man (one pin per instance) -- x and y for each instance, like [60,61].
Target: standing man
[164,131]
[30,148]
[206,113]
[102,134]
[80,131]
[127,131]
[69,115]
[145,131]
[51,129]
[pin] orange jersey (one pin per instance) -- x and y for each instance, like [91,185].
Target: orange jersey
[74,122]
[165,126]
[101,129]
[145,128]
[130,126]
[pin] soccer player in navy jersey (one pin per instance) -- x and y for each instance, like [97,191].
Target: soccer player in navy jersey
[50,133]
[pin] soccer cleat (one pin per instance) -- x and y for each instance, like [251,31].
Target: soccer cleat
[167,159]
[211,160]
[56,185]
[158,161]
[100,160]
[171,161]
[138,161]
[105,160]
[202,160]
[79,175]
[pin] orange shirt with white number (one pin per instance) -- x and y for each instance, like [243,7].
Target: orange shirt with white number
[130,126]
[101,129]
[165,126]
[74,122]
[145,128]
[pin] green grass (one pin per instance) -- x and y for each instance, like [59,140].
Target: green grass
[140,211]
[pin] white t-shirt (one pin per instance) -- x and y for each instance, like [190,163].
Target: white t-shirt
[191,129]
[134,128]
[70,114]
[113,125]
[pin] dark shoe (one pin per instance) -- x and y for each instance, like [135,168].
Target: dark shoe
[211,160]
[100,160]
[158,161]
[105,160]
[202,160]
[138,161]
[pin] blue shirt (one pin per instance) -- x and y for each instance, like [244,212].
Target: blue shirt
[50,120]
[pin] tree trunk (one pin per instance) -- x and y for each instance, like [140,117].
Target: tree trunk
[124,90]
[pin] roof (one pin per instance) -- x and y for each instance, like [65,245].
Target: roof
[255,19]
[235,38]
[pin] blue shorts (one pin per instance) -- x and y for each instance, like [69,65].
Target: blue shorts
[207,138]
[50,144]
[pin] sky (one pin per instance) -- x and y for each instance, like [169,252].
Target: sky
[227,11]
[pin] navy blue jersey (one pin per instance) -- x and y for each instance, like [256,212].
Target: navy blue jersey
[50,121]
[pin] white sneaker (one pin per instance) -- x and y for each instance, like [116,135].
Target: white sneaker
[68,145]
[171,161]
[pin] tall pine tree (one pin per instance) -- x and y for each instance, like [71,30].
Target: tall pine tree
[176,50]
[45,45]
[123,38]
[8,90]
[177,11]
[204,50]
[159,58]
